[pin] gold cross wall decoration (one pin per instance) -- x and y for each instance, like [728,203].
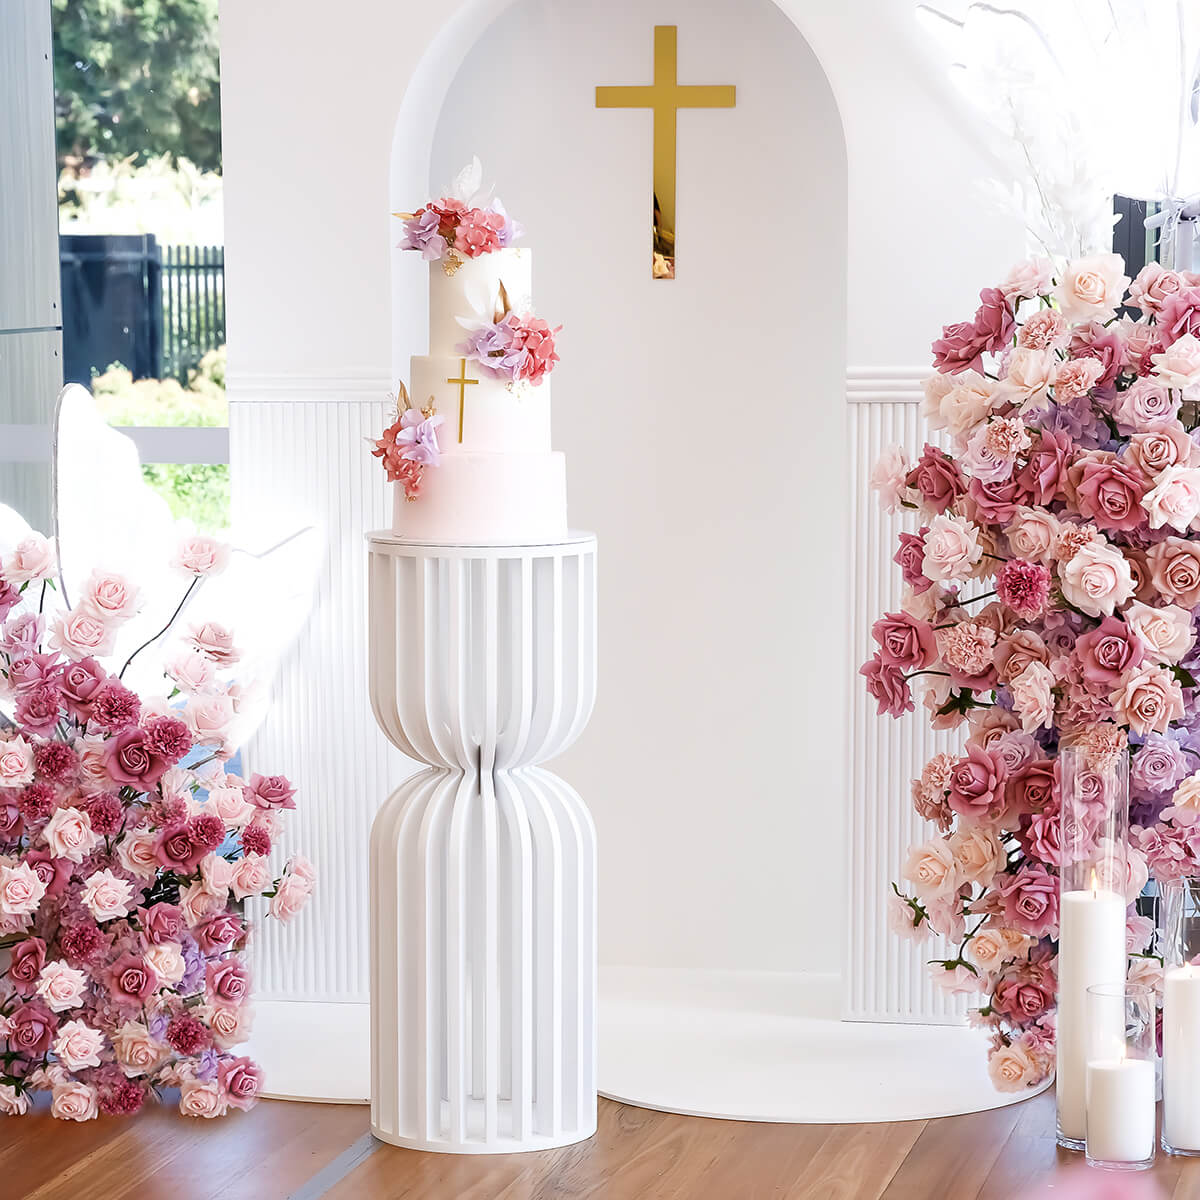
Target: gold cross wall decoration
[665,96]
[462,382]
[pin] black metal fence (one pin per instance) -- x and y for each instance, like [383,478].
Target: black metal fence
[156,310]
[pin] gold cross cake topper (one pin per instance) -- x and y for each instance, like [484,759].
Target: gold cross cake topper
[665,96]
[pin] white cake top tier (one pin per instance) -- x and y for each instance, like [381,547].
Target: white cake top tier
[472,292]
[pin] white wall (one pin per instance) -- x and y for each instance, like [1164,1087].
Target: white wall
[310,94]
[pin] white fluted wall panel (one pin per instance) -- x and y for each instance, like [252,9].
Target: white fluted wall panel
[298,454]
[886,978]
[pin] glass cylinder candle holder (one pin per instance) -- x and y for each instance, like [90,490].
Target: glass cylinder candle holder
[1178,941]
[1120,1076]
[1094,839]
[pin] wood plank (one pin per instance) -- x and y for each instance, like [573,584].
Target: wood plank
[857,1162]
[953,1156]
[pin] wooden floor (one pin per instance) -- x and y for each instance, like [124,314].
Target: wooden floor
[275,1151]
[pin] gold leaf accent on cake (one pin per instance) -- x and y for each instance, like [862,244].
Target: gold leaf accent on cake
[430,409]
[404,216]
[503,307]
[402,401]
[451,263]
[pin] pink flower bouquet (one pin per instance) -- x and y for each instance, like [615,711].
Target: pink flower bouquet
[127,852]
[1052,583]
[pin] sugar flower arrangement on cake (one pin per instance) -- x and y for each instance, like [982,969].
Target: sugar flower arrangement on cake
[511,347]
[409,445]
[464,224]
[127,850]
[1051,585]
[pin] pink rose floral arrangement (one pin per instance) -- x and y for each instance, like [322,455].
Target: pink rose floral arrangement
[127,851]
[1051,592]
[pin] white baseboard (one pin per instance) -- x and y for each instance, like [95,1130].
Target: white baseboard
[313,1051]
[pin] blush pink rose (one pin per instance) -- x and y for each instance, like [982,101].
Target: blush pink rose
[1092,287]
[79,634]
[1033,697]
[109,596]
[1152,285]
[137,852]
[61,986]
[200,1099]
[107,896]
[16,762]
[74,1101]
[21,890]
[1096,579]
[191,671]
[1179,315]
[136,1050]
[31,560]
[200,554]
[1165,632]
[1175,499]
[1175,571]
[290,897]
[215,642]
[78,1045]
[1158,449]
[952,549]
[1178,366]
[251,876]
[1148,699]
[69,835]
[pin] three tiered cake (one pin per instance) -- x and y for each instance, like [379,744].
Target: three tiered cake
[469,454]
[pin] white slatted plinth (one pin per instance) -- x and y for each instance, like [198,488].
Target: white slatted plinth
[483,866]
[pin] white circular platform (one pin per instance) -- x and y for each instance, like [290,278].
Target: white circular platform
[312,1050]
[769,1047]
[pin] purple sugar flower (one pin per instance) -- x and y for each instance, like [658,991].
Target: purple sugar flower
[417,439]
[511,230]
[497,350]
[421,233]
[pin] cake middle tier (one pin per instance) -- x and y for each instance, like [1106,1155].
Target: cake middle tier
[472,292]
[479,413]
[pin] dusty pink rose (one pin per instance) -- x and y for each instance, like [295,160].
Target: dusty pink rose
[905,642]
[241,1081]
[1145,406]
[1158,449]
[1044,475]
[1030,899]
[887,685]
[227,983]
[936,478]
[1153,284]
[1179,315]
[1032,533]
[131,980]
[1110,492]
[1108,651]
[977,782]
[131,761]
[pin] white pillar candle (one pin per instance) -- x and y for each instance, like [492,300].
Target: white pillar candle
[1120,1110]
[1181,1058]
[1091,951]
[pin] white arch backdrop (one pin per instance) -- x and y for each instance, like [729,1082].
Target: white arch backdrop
[308,379]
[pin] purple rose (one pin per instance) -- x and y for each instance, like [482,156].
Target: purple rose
[1159,766]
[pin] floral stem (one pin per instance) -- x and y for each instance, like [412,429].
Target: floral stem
[150,641]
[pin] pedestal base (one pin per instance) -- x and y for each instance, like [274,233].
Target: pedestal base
[752,1046]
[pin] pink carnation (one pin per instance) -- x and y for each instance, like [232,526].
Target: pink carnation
[1024,587]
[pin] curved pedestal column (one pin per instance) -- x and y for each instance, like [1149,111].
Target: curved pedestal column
[483,866]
